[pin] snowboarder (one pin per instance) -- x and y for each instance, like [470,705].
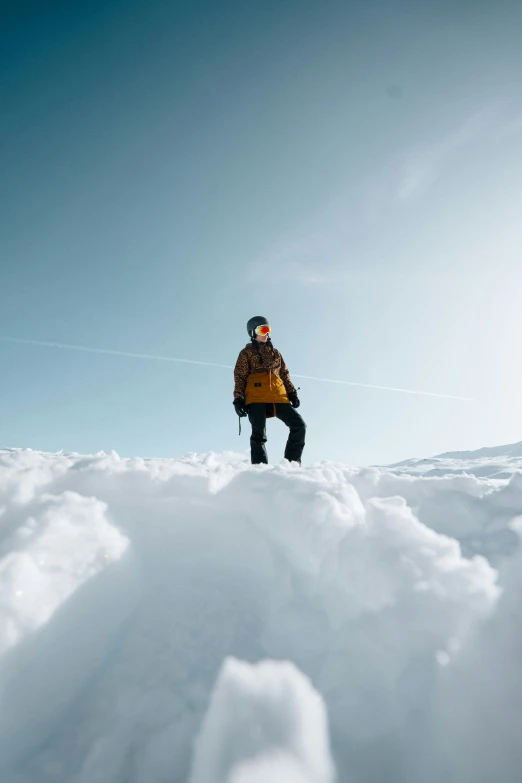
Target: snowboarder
[263,389]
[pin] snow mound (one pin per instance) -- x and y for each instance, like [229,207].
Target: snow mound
[200,619]
[56,554]
[489,462]
[511,450]
[48,557]
[280,767]
[264,722]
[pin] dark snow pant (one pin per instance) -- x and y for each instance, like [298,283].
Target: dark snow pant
[287,414]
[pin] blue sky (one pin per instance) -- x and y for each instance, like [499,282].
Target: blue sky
[353,171]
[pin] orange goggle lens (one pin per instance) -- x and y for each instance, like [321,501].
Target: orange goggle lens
[265,329]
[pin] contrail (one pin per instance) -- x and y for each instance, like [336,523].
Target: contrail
[385,388]
[108,352]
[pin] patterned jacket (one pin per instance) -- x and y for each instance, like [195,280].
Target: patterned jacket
[259,357]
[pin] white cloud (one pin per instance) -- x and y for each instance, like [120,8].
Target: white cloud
[318,252]
[510,128]
[422,167]
[304,254]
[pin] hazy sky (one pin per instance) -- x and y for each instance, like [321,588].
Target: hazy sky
[351,170]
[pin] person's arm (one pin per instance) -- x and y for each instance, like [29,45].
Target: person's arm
[285,377]
[241,372]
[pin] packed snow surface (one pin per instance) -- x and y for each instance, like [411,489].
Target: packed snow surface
[202,620]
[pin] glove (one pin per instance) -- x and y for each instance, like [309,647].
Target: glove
[239,405]
[294,399]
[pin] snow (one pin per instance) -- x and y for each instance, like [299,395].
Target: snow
[199,619]
[264,721]
[488,462]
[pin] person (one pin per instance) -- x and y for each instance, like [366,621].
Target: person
[263,389]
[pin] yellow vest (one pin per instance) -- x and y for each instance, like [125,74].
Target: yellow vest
[265,387]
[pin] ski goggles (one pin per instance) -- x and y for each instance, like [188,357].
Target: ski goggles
[264,329]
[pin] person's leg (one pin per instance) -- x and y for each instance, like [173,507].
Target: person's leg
[296,437]
[257,418]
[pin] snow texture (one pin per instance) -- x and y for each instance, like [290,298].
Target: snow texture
[264,723]
[200,619]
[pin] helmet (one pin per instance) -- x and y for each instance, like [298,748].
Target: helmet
[254,322]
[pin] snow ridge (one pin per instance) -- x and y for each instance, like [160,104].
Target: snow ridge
[198,620]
